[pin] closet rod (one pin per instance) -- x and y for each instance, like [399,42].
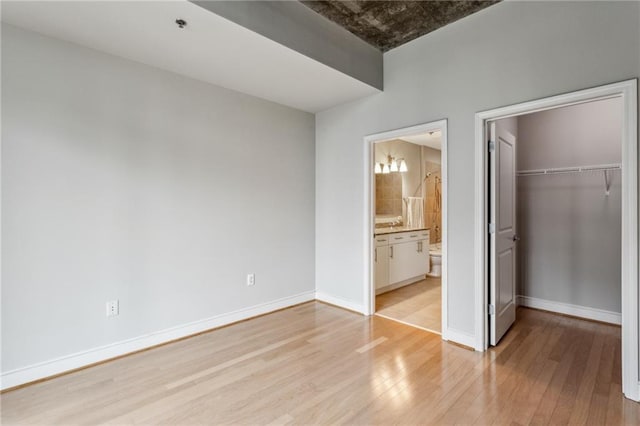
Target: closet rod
[576,169]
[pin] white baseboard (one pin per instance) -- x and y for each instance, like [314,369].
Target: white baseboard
[573,310]
[460,337]
[332,300]
[634,393]
[56,366]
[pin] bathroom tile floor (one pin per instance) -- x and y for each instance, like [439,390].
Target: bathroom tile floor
[418,304]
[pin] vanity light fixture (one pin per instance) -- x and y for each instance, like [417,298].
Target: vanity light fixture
[391,166]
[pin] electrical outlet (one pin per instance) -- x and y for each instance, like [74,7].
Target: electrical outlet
[113,308]
[251,279]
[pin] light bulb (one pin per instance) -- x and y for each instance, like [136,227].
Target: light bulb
[403,166]
[394,166]
[377,169]
[385,169]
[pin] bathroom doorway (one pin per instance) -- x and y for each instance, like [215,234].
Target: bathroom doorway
[407,225]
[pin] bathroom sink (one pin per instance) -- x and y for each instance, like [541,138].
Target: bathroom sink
[391,229]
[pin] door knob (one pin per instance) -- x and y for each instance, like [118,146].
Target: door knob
[516,238]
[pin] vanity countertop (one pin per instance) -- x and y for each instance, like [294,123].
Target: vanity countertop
[395,229]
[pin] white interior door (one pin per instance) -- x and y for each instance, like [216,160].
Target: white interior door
[502,213]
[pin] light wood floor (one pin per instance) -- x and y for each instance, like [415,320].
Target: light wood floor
[316,364]
[419,304]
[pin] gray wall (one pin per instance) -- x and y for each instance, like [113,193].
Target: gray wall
[510,124]
[505,54]
[121,181]
[571,230]
[431,155]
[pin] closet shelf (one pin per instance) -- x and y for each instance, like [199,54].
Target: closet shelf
[575,169]
[605,168]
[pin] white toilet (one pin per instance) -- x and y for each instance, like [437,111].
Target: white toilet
[435,257]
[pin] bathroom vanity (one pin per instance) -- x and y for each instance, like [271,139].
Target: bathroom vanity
[401,257]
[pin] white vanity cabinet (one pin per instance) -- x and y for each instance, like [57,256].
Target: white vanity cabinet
[401,258]
[381,259]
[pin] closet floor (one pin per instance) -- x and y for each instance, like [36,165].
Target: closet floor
[418,304]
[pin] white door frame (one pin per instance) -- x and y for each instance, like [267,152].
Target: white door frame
[627,91]
[369,213]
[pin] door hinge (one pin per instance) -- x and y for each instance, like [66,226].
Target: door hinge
[492,228]
[492,146]
[491,310]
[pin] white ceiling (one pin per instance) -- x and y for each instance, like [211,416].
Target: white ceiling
[432,139]
[210,48]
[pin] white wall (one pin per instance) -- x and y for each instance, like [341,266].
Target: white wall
[298,27]
[508,53]
[570,229]
[121,181]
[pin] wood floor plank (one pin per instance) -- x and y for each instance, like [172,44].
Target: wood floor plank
[418,304]
[317,364]
[599,399]
[567,400]
[371,345]
[526,394]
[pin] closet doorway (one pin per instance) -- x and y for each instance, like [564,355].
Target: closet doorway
[557,236]
[406,226]
[557,215]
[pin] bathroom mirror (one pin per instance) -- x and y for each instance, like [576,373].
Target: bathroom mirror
[389,195]
[404,169]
